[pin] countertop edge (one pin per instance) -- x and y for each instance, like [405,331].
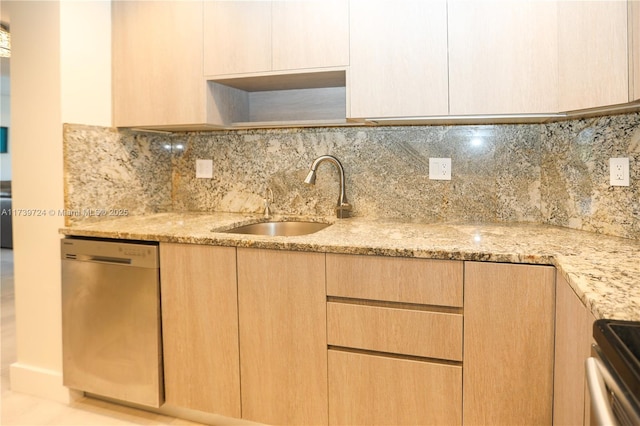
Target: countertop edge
[596,288]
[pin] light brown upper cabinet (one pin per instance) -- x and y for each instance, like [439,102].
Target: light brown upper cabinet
[214,64]
[157,63]
[237,37]
[310,34]
[502,57]
[261,36]
[398,63]
[592,54]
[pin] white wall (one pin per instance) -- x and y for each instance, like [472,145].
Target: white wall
[60,72]
[5,116]
[85,43]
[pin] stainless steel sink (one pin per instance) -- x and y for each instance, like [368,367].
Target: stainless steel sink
[279,229]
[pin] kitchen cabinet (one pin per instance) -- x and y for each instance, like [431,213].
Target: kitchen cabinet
[276,63]
[393,329]
[508,343]
[398,64]
[310,34]
[539,57]
[395,279]
[574,334]
[237,37]
[234,64]
[395,340]
[283,336]
[503,57]
[200,328]
[367,389]
[592,54]
[157,64]
[257,36]
[634,48]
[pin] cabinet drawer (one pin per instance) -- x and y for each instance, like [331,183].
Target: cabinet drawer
[399,331]
[395,279]
[367,389]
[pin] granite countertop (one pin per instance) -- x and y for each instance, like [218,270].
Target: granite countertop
[603,271]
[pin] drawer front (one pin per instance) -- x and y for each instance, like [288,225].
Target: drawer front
[395,279]
[399,331]
[368,389]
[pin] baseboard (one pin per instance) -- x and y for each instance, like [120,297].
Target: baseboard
[40,382]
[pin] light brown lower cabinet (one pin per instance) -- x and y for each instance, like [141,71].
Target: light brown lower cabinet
[200,328]
[574,334]
[508,344]
[283,336]
[394,328]
[366,389]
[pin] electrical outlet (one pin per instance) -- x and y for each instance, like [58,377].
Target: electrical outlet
[619,171]
[440,168]
[204,169]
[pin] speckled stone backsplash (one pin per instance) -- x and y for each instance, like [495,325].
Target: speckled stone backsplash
[107,174]
[575,175]
[543,173]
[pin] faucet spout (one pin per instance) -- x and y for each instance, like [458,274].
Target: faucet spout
[343,208]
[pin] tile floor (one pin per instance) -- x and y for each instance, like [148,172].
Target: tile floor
[20,409]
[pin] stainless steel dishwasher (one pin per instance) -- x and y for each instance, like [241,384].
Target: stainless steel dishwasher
[111,334]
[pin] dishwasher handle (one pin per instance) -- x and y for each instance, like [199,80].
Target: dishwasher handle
[103,259]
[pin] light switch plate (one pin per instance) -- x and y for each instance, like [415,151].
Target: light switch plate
[619,171]
[204,169]
[440,168]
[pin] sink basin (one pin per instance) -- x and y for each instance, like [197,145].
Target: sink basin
[279,229]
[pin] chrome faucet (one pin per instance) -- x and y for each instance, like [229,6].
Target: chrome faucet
[343,208]
[268,199]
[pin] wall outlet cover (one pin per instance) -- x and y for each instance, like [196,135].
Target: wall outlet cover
[619,171]
[440,168]
[204,169]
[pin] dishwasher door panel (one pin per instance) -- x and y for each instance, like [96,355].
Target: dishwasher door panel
[111,331]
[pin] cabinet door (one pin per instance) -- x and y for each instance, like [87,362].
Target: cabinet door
[503,57]
[369,389]
[237,37]
[508,344]
[398,58]
[243,37]
[593,54]
[310,34]
[157,63]
[634,48]
[200,328]
[283,336]
[574,330]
